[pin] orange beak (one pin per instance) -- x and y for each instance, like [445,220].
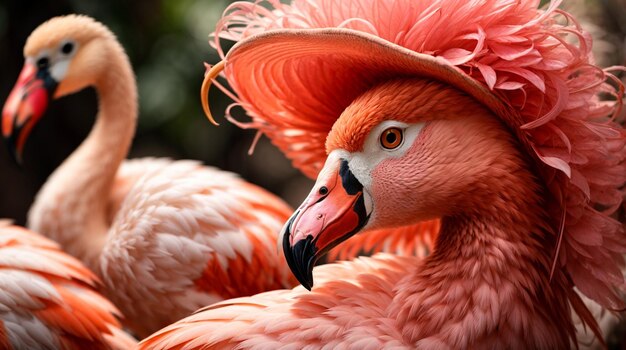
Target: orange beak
[25,106]
[333,212]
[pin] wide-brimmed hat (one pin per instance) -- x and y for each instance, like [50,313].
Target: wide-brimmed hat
[296,67]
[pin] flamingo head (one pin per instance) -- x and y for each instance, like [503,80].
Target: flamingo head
[62,56]
[404,151]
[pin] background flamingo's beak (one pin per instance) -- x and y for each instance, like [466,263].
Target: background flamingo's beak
[334,211]
[25,106]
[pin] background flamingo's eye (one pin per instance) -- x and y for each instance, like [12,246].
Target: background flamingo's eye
[67,48]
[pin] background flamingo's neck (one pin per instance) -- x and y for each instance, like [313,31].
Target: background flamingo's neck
[72,206]
[487,280]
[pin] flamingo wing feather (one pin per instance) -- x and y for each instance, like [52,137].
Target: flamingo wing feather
[199,235]
[48,300]
[296,318]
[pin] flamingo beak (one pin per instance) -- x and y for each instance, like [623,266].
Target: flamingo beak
[25,106]
[335,210]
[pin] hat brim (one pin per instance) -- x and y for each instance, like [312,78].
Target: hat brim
[301,80]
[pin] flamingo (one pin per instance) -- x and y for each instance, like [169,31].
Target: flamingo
[166,237]
[48,298]
[484,114]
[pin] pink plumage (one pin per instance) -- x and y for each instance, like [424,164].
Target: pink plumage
[49,300]
[536,62]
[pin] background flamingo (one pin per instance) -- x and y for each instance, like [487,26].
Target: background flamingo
[512,148]
[48,299]
[166,237]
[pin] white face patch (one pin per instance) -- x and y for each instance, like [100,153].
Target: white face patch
[363,163]
[59,59]
[59,69]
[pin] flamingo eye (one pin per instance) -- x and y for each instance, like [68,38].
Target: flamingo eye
[67,48]
[391,138]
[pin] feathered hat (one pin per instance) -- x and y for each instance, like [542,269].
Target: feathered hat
[296,67]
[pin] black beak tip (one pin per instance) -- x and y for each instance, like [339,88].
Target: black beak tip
[15,154]
[307,280]
[308,286]
[300,258]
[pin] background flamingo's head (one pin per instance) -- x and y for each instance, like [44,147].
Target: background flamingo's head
[62,56]
[405,151]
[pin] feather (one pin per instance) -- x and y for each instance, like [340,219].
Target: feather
[48,298]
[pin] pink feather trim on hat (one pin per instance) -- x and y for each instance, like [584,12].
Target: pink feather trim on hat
[537,62]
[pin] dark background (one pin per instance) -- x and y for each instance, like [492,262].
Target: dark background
[167,42]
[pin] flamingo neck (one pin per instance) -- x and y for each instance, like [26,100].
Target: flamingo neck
[488,278]
[72,206]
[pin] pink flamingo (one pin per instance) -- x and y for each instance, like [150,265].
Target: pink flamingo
[166,237]
[482,113]
[48,299]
